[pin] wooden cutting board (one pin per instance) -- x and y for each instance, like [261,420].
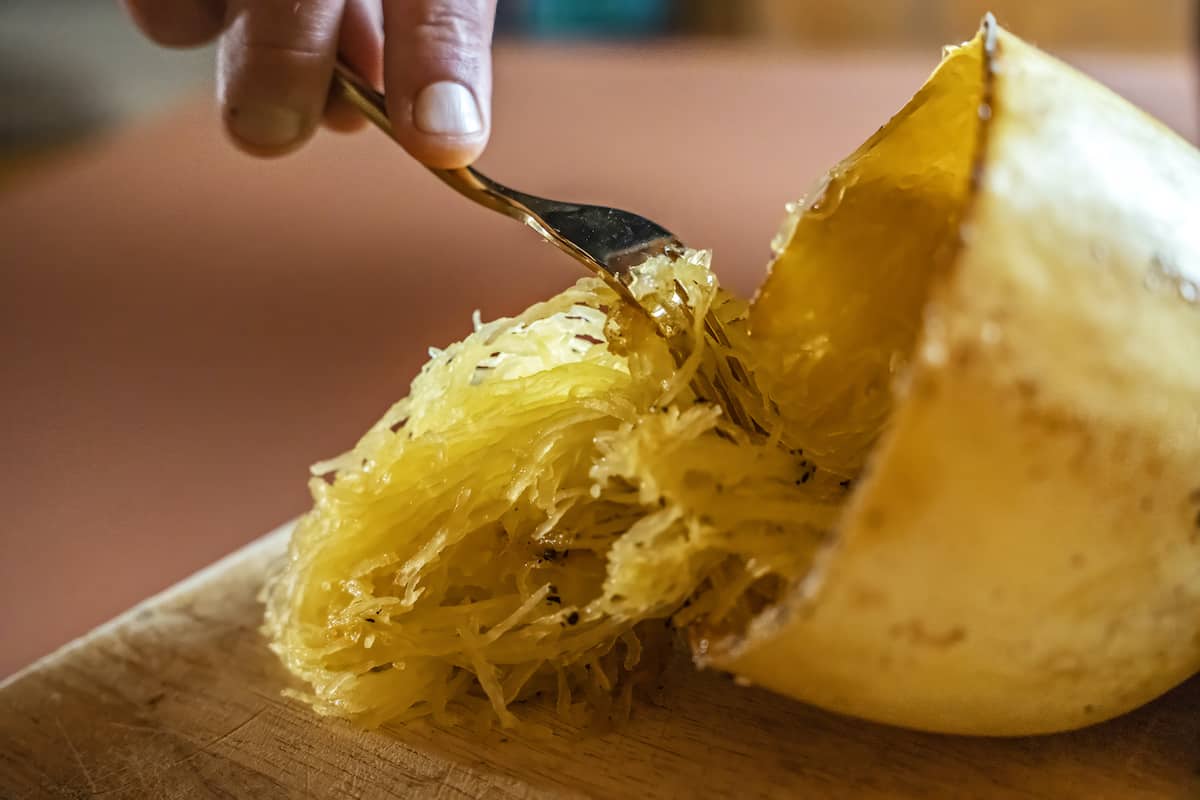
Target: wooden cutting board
[180,697]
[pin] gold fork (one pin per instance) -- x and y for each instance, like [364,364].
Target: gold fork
[608,241]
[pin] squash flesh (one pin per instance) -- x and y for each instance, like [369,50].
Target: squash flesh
[928,333]
[551,487]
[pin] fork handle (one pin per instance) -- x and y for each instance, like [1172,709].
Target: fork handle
[470,182]
[372,104]
[522,207]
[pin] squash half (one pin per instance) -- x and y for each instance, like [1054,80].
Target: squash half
[967,498]
[1023,554]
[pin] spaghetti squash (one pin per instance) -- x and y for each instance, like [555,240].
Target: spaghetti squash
[549,495]
[961,491]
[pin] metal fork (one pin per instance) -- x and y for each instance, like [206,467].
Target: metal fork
[607,241]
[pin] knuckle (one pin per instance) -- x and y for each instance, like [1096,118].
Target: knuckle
[291,31]
[455,26]
[285,51]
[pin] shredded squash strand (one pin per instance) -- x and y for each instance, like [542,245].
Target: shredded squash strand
[551,493]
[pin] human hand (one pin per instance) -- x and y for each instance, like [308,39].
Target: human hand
[276,57]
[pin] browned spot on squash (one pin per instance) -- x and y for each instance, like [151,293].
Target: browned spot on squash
[1038,472]
[1078,560]
[867,597]
[873,518]
[1121,446]
[1146,504]
[1054,422]
[1083,456]
[1066,665]
[1027,389]
[1155,467]
[915,632]
[924,387]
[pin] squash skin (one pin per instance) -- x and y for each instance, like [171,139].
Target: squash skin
[1023,553]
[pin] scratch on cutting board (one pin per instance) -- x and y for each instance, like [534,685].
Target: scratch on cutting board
[159,729]
[208,746]
[144,771]
[204,748]
[78,758]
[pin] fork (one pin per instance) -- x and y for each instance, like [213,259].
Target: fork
[608,241]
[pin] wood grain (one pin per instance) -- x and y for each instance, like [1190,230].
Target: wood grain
[181,698]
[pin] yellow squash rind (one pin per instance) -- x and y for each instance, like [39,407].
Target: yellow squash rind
[1023,554]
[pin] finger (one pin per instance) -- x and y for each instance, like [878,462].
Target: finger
[342,117]
[273,71]
[361,46]
[361,40]
[178,23]
[438,75]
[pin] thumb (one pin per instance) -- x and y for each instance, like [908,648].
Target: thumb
[438,77]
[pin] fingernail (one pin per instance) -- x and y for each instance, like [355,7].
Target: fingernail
[266,126]
[447,108]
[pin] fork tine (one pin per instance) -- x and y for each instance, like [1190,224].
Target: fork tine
[608,241]
[604,239]
[616,240]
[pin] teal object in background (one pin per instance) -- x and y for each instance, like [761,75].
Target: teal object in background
[584,19]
